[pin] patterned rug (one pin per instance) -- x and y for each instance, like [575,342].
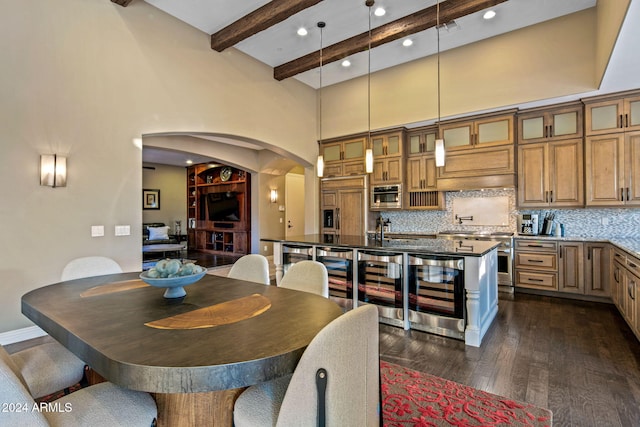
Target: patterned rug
[416,399]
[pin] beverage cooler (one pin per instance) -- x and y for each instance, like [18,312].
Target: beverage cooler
[436,294]
[339,264]
[380,283]
[294,253]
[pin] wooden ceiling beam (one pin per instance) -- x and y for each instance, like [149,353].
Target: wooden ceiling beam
[123,3]
[450,10]
[260,19]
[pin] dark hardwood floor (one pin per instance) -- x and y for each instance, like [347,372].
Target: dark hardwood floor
[210,260]
[578,359]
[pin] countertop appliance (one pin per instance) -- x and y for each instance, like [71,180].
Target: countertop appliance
[528,224]
[505,252]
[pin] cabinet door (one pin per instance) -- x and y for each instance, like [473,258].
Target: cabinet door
[566,182]
[494,131]
[596,270]
[631,287]
[332,152]
[350,213]
[354,149]
[604,162]
[421,142]
[532,175]
[632,113]
[415,174]
[632,169]
[617,284]
[604,117]
[387,171]
[457,135]
[571,267]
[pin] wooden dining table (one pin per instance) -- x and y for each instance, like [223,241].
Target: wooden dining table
[194,354]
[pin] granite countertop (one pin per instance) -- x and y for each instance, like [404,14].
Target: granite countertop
[630,245]
[410,243]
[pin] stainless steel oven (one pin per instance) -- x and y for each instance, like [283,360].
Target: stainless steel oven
[386,196]
[505,252]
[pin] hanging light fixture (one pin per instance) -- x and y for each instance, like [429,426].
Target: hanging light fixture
[320,161]
[368,156]
[439,144]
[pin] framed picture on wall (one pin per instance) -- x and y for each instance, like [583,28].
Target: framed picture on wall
[150,199]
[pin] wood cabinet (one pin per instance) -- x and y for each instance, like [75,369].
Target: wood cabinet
[478,132]
[536,264]
[562,121]
[550,174]
[571,267]
[479,168]
[388,161]
[597,267]
[344,157]
[421,183]
[612,163]
[219,209]
[343,209]
[612,113]
[626,281]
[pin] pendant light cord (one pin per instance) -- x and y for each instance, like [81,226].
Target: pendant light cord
[438,51]
[321,25]
[369,4]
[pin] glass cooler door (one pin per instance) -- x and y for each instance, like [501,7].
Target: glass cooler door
[339,264]
[380,283]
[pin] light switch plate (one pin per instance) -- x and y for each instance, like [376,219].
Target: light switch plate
[123,230]
[97,230]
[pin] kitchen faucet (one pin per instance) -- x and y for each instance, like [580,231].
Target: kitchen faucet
[380,224]
[463,218]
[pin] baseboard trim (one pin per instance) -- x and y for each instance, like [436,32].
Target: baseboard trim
[18,335]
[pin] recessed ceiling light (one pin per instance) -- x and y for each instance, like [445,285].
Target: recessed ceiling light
[302,31]
[379,11]
[489,14]
[346,63]
[407,42]
[189,162]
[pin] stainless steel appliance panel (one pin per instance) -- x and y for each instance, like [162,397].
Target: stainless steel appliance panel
[339,264]
[380,282]
[294,253]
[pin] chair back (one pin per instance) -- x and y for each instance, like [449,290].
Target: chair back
[347,349]
[252,268]
[308,276]
[88,267]
[13,392]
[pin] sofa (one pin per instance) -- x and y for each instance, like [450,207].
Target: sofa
[158,235]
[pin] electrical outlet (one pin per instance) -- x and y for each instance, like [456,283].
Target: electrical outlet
[604,220]
[265,248]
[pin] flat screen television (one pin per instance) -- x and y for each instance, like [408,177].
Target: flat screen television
[221,206]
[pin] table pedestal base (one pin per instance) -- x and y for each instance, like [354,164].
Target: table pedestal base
[214,408]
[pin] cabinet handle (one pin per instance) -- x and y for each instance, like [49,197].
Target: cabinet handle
[616,275]
[622,194]
[551,196]
[535,260]
[561,250]
[531,245]
[628,194]
[632,265]
[337,218]
[546,196]
[589,253]
[626,120]
[534,280]
[630,287]
[550,131]
[621,124]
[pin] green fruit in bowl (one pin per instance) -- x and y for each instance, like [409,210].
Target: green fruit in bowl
[173,266]
[161,267]
[153,273]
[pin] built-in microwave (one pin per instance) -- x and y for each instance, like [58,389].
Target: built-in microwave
[386,196]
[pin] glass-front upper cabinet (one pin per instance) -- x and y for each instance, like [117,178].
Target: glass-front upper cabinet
[422,141]
[544,124]
[484,131]
[387,144]
[611,115]
[351,149]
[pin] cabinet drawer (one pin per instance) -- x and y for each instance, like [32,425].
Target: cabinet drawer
[633,265]
[543,261]
[537,245]
[532,279]
[619,256]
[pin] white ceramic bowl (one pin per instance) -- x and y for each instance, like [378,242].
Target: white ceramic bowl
[174,285]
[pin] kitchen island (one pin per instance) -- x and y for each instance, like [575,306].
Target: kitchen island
[441,286]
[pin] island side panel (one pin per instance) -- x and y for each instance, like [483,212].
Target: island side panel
[481,286]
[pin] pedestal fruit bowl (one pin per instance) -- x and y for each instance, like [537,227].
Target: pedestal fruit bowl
[173,275]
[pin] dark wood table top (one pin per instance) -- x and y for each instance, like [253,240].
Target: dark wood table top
[102,320]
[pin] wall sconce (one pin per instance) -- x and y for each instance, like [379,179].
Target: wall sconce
[53,170]
[439,152]
[368,160]
[273,195]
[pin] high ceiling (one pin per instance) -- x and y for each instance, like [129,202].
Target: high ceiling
[278,44]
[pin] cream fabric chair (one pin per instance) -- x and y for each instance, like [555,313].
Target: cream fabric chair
[46,368]
[252,268]
[348,350]
[89,266]
[308,276]
[104,404]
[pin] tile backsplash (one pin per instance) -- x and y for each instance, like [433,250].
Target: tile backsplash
[587,222]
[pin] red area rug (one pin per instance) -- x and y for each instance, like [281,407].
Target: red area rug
[416,399]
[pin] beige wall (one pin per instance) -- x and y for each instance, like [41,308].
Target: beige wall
[547,60]
[270,225]
[85,78]
[610,17]
[172,183]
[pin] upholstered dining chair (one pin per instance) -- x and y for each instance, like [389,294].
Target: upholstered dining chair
[252,268]
[45,368]
[336,382]
[308,276]
[89,266]
[103,404]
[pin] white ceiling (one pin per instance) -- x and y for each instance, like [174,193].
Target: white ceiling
[345,18]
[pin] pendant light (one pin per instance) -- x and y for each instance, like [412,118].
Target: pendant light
[439,144]
[368,157]
[320,161]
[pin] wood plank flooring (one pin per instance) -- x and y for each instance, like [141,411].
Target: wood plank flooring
[579,359]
